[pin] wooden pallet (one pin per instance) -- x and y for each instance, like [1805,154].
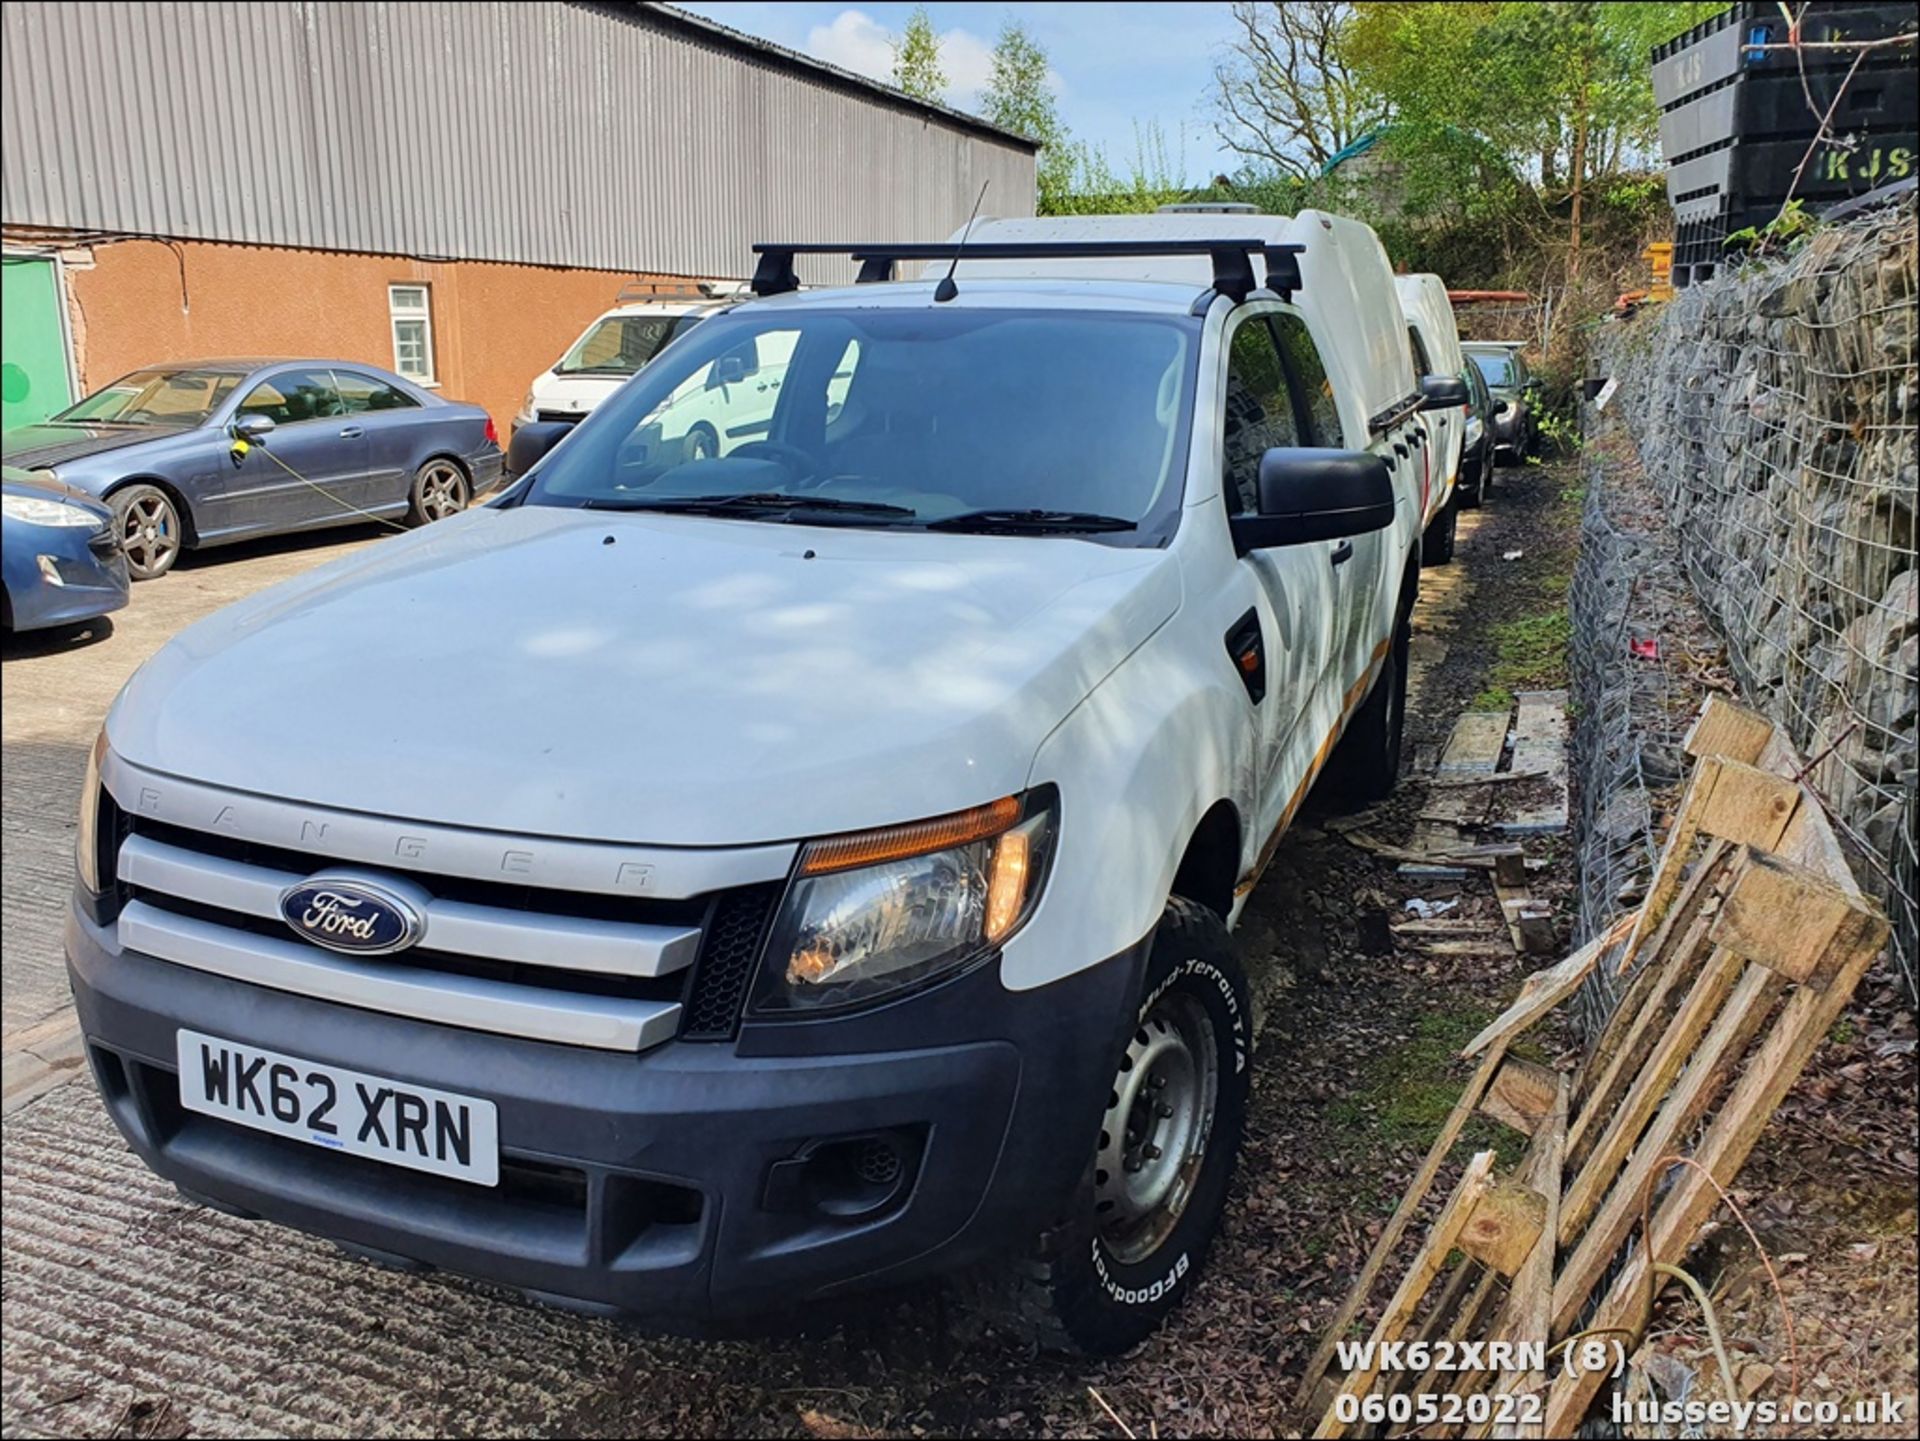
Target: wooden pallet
[1751,940]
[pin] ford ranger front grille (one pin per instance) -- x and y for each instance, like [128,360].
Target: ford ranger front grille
[575,968]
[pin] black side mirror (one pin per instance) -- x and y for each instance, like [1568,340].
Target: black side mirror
[1308,495]
[1501,407]
[253,429]
[530,442]
[727,370]
[1442,392]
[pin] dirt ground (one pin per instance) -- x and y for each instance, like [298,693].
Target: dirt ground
[128,1312]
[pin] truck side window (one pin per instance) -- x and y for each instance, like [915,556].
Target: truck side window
[1315,391]
[1259,413]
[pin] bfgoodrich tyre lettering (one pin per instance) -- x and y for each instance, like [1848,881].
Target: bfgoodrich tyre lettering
[1138,1231]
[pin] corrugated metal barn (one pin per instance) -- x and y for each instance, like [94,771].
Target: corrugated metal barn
[629,139]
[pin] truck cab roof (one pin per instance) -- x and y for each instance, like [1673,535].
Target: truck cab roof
[1343,293]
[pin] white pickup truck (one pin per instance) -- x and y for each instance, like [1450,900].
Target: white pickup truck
[819,870]
[1434,341]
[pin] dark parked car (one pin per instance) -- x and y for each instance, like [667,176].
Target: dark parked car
[326,442]
[58,555]
[1476,455]
[1509,379]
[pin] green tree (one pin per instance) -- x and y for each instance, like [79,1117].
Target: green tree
[1562,89]
[916,59]
[1019,97]
[1286,97]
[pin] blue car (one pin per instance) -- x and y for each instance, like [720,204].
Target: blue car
[59,555]
[210,451]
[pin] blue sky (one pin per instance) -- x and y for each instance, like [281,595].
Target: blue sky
[1113,63]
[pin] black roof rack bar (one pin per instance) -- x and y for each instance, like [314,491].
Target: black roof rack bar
[1232,259]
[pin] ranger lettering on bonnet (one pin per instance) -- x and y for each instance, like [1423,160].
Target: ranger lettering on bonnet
[747,916]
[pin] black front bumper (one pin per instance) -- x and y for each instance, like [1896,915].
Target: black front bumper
[669,1183]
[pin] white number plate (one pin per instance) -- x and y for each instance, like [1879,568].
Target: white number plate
[350,1111]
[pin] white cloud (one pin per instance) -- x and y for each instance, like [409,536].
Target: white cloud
[968,61]
[855,41]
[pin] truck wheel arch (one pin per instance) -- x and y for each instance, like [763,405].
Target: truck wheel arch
[1209,868]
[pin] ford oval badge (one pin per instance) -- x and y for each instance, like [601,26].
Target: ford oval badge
[345,913]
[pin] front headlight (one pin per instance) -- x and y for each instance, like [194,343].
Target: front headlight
[878,911]
[86,849]
[525,417]
[34,510]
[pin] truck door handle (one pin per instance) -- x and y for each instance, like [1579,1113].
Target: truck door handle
[1343,552]
[352,432]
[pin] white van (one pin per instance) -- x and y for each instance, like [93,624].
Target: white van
[821,874]
[638,327]
[1434,341]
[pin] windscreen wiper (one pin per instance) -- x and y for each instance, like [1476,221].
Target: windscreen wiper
[751,501]
[1039,522]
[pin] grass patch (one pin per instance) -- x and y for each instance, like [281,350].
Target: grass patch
[1499,698]
[1403,1096]
[1530,651]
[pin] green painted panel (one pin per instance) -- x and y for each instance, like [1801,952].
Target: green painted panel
[33,350]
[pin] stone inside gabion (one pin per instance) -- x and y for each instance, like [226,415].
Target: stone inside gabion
[1774,410]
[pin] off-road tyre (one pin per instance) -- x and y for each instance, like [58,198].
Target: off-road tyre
[1099,1283]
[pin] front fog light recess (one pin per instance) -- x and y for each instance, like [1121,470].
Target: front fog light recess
[878,911]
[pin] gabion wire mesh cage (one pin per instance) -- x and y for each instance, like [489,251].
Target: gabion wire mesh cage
[1775,413]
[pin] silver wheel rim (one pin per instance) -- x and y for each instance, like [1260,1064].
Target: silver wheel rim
[442,490]
[1153,1138]
[149,533]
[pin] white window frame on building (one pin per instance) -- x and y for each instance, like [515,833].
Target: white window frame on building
[412,314]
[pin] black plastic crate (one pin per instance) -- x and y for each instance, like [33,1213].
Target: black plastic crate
[1730,45]
[1737,121]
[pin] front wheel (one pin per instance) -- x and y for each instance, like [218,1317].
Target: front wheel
[1149,1206]
[440,490]
[148,524]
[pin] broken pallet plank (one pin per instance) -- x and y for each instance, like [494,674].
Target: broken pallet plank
[1416,1192]
[1803,1022]
[1521,1095]
[1529,1307]
[1503,1227]
[1479,738]
[1787,918]
[1725,729]
[1685,1038]
[1545,989]
[1425,1265]
[1631,1029]
[1716,1058]
[1724,798]
[1540,743]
